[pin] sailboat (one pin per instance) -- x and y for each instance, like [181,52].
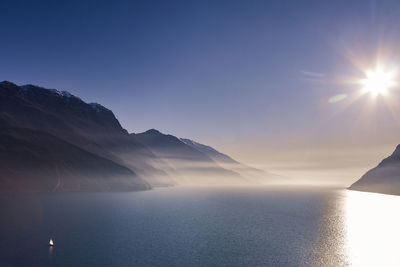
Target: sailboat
[51,242]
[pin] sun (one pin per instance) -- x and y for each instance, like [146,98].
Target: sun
[378,81]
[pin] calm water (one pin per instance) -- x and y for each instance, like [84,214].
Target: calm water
[202,227]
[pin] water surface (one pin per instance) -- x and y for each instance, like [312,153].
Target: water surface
[202,227]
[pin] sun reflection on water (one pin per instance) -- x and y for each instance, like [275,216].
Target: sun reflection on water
[372,229]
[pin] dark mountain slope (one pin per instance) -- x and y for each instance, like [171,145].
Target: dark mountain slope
[90,127]
[209,151]
[169,146]
[58,131]
[253,175]
[83,117]
[384,178]
[95,128]
[186,161]
[34,161]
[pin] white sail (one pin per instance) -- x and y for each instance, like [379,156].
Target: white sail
[51,242]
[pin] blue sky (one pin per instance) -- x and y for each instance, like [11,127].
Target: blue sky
[252,78]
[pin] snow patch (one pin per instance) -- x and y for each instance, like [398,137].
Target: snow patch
[97,107]
[64,94]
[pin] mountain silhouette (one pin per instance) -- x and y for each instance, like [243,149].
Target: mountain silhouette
[384,178]
[252,175]
[52,140]
[84,142]
[187,161]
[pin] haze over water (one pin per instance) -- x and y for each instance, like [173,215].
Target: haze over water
[202,227]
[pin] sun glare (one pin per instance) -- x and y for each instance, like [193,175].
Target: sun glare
[378,81]
[372,229]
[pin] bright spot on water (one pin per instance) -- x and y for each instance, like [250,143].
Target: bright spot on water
[372,229]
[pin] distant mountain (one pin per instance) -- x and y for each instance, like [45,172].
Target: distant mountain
[253,175]
[209,151]
[385,178]
[186,161]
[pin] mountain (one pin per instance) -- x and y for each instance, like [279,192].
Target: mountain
[52,140]
[384,178]
[34,161]
[209,151]
[253,175]
[91,126]
[33,117]
[185,161]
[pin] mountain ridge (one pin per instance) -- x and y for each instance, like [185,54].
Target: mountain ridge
[253,175]
[384,178]
[184,160]
[72,122]
[91,131]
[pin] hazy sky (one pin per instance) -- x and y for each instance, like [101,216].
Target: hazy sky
[255,79]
